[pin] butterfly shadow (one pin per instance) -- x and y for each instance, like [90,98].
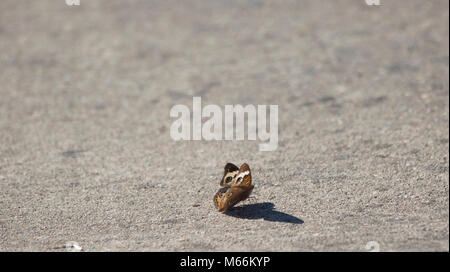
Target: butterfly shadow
[264,211]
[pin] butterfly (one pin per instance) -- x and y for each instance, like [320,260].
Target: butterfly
[236,186]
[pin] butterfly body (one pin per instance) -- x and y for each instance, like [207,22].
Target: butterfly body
[236,186]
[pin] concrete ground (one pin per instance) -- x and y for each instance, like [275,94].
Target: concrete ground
[86,154]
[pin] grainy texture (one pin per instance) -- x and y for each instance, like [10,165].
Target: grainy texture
[85,151]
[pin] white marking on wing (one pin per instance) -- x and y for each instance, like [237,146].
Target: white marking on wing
[243,174]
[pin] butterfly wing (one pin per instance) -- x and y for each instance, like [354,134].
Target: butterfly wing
[230,171]
[232,196]
[243,177]
[219,196]
[239,189]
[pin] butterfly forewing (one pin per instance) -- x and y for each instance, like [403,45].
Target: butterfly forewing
[243,177]
[230,171]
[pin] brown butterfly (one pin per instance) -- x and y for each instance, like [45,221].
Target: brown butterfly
[237,186]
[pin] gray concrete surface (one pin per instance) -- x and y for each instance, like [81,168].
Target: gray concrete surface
[85,151]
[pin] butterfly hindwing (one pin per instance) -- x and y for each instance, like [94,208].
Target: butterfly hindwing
[234,195]
[218,196]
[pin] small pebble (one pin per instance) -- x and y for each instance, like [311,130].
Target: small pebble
[73,246]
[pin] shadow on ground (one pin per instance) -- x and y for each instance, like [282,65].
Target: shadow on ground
[263,211]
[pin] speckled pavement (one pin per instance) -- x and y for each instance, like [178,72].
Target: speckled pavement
[86,154]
